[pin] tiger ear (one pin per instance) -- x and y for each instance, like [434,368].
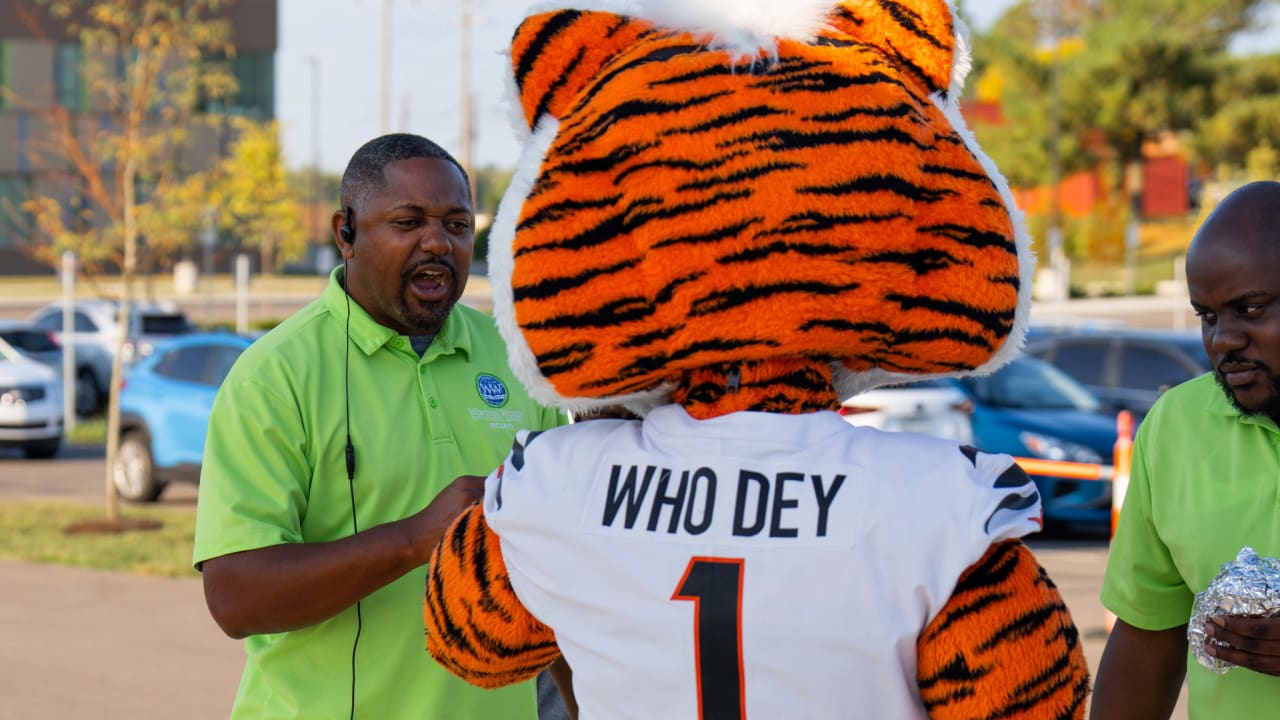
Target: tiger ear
[555,54]
[920,36]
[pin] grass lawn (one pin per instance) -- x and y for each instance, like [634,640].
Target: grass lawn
[37,532]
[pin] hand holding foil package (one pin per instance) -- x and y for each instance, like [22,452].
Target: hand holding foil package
[1249,585]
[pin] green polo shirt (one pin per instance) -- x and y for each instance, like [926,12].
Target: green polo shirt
[274,472]
[1204,482]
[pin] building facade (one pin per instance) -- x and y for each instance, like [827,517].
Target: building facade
[42,67]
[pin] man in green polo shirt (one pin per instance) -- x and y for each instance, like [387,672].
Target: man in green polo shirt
[1205,482]
[333,448]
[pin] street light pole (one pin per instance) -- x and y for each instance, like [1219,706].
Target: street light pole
[1052,33]
[464,102]
[314,189]
[384,76]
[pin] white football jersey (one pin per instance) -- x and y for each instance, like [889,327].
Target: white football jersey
[752,565]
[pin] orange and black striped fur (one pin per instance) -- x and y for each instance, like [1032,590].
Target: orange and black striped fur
[768,232]
[692,208]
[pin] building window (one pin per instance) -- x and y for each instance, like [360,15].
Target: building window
[254,98]
[4,75]
[15,222]
[68,75]
[255,74]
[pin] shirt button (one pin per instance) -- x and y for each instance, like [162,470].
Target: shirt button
[431,401]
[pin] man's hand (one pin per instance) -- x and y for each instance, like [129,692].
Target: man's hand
[1252,642]
[429,524]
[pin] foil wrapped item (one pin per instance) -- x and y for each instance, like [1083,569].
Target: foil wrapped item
[1248,585]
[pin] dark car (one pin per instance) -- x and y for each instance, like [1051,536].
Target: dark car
[164,411]
[1126,368]
[1030,409]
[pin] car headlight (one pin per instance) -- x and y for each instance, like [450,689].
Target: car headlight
[21,394]
[1054,448]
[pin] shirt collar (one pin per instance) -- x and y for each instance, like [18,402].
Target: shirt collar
[368,335]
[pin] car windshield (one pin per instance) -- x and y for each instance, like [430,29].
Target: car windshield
[29,340]
[164,324]
[1030,383]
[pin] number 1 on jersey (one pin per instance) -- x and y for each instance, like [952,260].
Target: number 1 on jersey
[714,585]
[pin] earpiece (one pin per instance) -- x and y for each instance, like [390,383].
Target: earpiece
[348,233]
[348,228]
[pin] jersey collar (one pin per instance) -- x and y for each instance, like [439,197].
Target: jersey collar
[369,336]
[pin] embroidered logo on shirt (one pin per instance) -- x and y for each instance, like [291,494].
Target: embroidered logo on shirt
[492,390]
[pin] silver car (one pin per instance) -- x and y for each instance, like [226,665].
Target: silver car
[96,331]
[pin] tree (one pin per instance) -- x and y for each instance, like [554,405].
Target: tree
[254,198]
[1143,68]
[145,71]
[1245,112]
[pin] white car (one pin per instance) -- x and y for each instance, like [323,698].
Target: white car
[30,405]
[932,407]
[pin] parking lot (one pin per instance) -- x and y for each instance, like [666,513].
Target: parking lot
[87,644]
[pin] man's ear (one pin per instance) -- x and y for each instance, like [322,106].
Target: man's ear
[346,249]
[555,55]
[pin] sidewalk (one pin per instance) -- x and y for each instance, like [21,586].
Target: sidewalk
[83,644]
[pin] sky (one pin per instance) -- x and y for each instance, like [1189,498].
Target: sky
[328,64]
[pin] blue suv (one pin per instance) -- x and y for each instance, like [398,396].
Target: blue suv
[1031,409]
[164,412]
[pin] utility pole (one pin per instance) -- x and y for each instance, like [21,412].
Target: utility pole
[314,62]
[466,131]
[384,74]
[1052,34]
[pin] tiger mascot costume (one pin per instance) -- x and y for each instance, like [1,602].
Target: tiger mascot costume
[728,217]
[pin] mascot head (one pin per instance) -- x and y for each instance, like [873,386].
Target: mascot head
[750,204]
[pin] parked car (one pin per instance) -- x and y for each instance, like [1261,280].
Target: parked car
[1126,368]
[30,405]
[932,407]
[164,412]
[40,345]
[96,332]
[1031,409]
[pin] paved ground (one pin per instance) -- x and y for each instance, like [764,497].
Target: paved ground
[87,644]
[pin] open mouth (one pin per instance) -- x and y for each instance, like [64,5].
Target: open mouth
[431,283]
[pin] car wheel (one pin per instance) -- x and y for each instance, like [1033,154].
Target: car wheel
[134,471]
[42,449]
[88,394]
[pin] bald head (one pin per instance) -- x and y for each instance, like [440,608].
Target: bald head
[1233,280]
[1248,218]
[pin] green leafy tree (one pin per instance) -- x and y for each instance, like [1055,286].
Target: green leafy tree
[254,198]
[144,73]
[1245,111]
[1127,71]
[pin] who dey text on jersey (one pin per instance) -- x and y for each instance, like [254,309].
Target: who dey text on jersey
[710,502]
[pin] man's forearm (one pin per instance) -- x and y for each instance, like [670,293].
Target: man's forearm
[1140,674]
[290,586]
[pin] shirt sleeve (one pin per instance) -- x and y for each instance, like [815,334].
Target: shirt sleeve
[1142,586]
[254,474]
[1008,502]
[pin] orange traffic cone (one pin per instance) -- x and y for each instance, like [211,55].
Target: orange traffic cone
[1122,454]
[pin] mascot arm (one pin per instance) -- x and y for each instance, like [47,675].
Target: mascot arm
[1004,645]
[476,627]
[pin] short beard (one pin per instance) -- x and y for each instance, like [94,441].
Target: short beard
[1270,405]
[426,321]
